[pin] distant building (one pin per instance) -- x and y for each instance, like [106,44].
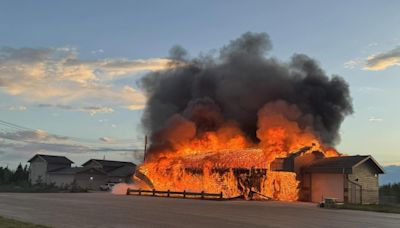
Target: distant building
[350,179]
[41,165]
[117,171]
[57,169]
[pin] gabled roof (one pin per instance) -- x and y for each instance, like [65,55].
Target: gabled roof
[52,159]
[122,171]
[342,164]
[68,170]
[110,163]
[74,170]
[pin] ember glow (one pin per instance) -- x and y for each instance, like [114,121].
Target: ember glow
[217,123]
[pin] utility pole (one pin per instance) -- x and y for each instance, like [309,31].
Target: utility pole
[145,148]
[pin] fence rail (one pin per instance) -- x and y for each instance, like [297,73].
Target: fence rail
[168,193]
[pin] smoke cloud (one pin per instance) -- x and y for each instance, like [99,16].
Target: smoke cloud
[234,85]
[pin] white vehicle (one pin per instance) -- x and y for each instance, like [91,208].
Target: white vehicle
[107,187]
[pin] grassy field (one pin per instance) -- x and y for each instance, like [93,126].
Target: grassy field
[11,223]
[378,208]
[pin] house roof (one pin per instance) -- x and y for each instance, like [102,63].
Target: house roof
[74,170]
[110,163]
[52,159]
[68,170]
[342,164]
[122,171]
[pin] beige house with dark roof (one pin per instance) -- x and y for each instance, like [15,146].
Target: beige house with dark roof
[351,179]
[57,169]
[41,165]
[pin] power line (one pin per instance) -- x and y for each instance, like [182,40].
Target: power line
[101,146]
[88,148]
[80,140]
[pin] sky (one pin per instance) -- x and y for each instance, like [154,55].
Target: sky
[69,69]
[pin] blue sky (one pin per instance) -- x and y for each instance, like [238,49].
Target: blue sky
[95,98]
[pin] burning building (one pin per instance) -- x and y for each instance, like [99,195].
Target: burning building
[240,122]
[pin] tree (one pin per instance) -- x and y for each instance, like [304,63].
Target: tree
[6,177]
[1,175]
[26,173]
[18,175]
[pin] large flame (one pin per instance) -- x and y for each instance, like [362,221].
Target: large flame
[225,160]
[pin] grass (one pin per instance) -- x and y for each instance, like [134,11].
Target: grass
[11,223]
[25,187]
[373,207]
[28,189]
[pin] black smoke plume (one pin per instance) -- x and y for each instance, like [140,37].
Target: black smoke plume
[236,83]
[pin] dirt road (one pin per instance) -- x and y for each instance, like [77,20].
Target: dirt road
[106,210]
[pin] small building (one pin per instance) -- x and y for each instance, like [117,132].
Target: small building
[41,165]
[57,169]
[117,171]
[84,177]
[351,179]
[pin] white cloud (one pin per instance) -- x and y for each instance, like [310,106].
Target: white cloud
[95,110]
[351,64]
[58,76]
[375,119]
[384,60]
[98,51]
[134,107]
[106,139]
[31,136]
[92,110]
[36,141]
[19,108]
[374,44]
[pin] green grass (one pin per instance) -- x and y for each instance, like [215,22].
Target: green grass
[378,208]
[11,223]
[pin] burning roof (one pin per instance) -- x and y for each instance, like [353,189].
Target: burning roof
[244,158]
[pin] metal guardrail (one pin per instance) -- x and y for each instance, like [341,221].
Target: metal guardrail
[168,193]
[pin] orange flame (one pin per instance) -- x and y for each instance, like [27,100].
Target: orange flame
[210,161]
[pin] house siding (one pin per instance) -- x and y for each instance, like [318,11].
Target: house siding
[51,170]
[84,180]
[61,180]
[367,178]
[38,170]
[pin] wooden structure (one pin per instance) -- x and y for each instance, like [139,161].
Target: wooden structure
[168,193]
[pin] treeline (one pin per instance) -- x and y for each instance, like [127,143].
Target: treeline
[390,193]
[18,176]
[18,181]
[390,189]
